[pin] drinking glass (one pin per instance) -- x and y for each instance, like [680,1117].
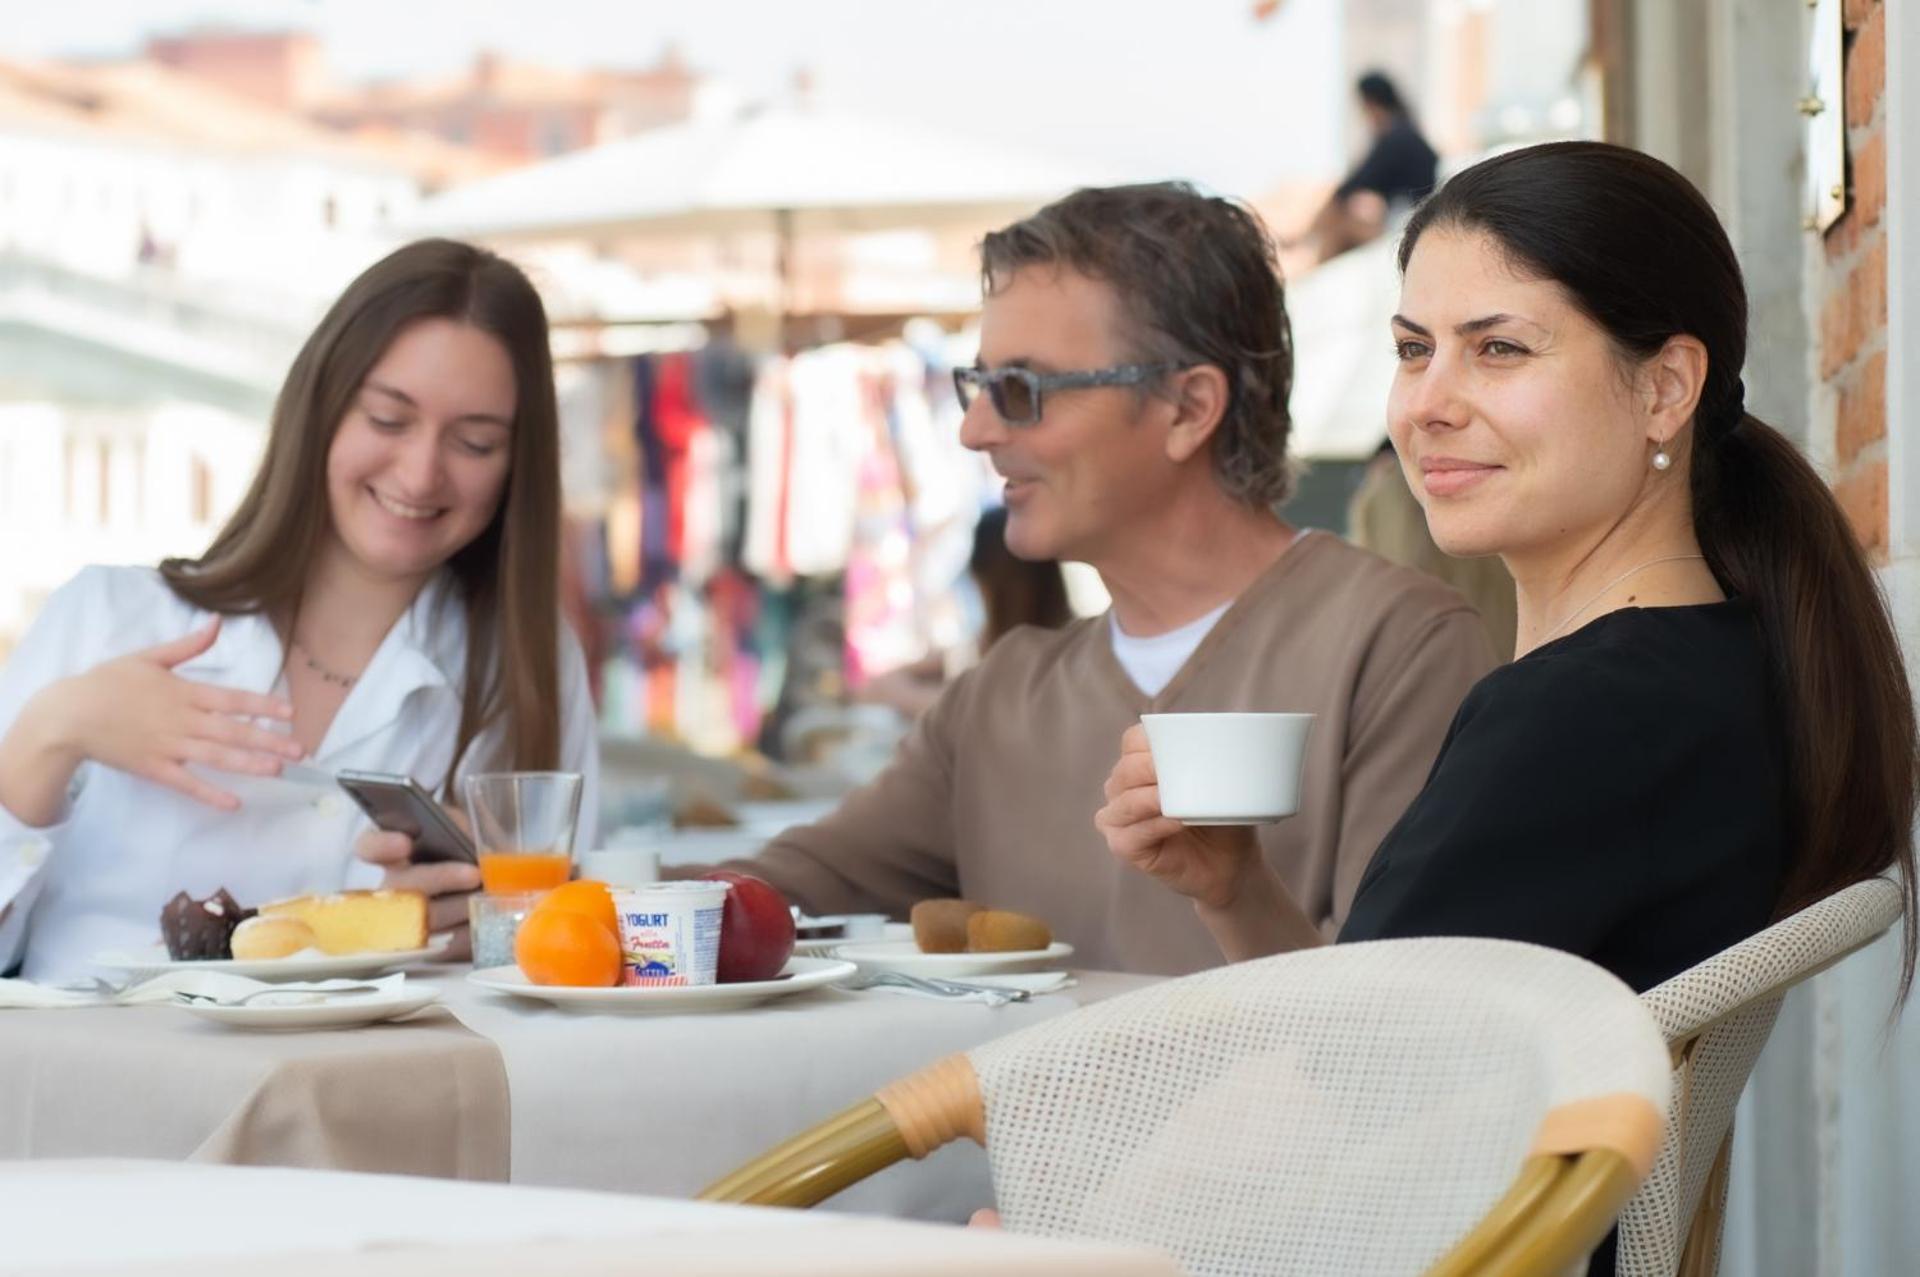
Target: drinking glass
[523,826]
[496,922]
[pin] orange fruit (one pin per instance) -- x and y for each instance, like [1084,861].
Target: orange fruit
[586,897]
[560,946]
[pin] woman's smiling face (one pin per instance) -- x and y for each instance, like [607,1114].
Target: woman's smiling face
[1511,411]
[418,465]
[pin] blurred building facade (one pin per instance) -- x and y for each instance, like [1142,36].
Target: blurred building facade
[282,69]
[510,110]
[521,112]
[171,226]
[164,246]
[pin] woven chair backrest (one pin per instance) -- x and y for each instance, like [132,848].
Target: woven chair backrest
[1716,1018]
[1349,1109]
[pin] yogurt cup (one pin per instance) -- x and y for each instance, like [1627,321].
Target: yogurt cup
[670,932]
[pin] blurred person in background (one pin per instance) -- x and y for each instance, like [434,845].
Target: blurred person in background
[1397,171]
[1135,363]
[1013,592]
[384,599]
[1386,518]
[1709,725]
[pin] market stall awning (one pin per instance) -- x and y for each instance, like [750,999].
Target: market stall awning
[789,169]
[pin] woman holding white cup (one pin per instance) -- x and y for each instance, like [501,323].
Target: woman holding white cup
[1708,723]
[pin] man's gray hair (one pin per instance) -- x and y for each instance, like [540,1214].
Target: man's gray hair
[1200,284]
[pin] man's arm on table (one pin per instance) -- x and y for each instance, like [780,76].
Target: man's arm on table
[888,844]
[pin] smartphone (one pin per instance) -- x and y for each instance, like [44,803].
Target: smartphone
[399,805]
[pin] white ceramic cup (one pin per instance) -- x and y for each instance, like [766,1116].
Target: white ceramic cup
[1228,769]
[627,866]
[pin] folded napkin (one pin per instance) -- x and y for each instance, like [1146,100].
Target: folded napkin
[1031,981]
[162,988]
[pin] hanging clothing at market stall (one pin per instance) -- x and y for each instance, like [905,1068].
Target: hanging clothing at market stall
[801,522]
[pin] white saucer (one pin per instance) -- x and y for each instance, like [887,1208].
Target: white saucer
[334,1013]
[143,963]
[905,957]
[800,975]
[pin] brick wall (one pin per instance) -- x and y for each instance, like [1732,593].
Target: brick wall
[1853,313]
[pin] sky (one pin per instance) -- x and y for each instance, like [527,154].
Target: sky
[1145,88]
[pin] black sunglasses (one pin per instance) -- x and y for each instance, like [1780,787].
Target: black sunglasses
[1017,393]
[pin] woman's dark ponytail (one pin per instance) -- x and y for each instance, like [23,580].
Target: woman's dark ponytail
[1642,253]
[1774,535]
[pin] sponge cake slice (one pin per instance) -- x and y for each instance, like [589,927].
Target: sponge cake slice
[359,921]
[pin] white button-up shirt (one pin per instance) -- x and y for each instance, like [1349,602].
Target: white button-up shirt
[97,879]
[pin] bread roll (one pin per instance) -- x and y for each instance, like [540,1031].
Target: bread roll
[940,926]
[1000,931]
[264,937]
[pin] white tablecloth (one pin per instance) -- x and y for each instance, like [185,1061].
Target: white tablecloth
[665,1105]
[156,1217]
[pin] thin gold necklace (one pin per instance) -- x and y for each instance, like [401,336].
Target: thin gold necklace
[1553,633]
[326,675]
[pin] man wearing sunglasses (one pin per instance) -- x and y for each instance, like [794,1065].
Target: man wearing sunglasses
[1135,360]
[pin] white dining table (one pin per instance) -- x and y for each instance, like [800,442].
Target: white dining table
[668,1104]
[159,1219]
[486,1086]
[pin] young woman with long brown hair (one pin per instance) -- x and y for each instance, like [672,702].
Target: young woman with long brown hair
[1708,724]
[383,599]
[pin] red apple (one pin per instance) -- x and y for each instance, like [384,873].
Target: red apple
[756,931]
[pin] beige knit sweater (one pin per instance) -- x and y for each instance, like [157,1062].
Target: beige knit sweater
[992,794]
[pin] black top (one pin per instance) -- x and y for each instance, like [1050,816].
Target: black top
[1399,166]
[1619,793]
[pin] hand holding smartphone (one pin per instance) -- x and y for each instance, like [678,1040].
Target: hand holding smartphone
[398,804]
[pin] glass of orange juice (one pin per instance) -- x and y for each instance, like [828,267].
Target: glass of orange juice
[523,825]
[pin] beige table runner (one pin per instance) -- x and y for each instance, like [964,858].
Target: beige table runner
[645,1104]
[423,1096]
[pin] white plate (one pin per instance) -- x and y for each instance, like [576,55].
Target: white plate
[800,975]
[334,1013]
[300,966]
[905,957]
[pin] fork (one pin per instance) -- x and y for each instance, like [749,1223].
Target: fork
[937,987]
[95,985]
[183,996]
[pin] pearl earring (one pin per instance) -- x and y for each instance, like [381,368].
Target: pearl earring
[1661,461]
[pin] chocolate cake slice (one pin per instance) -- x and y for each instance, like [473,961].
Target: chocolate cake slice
[196,930]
